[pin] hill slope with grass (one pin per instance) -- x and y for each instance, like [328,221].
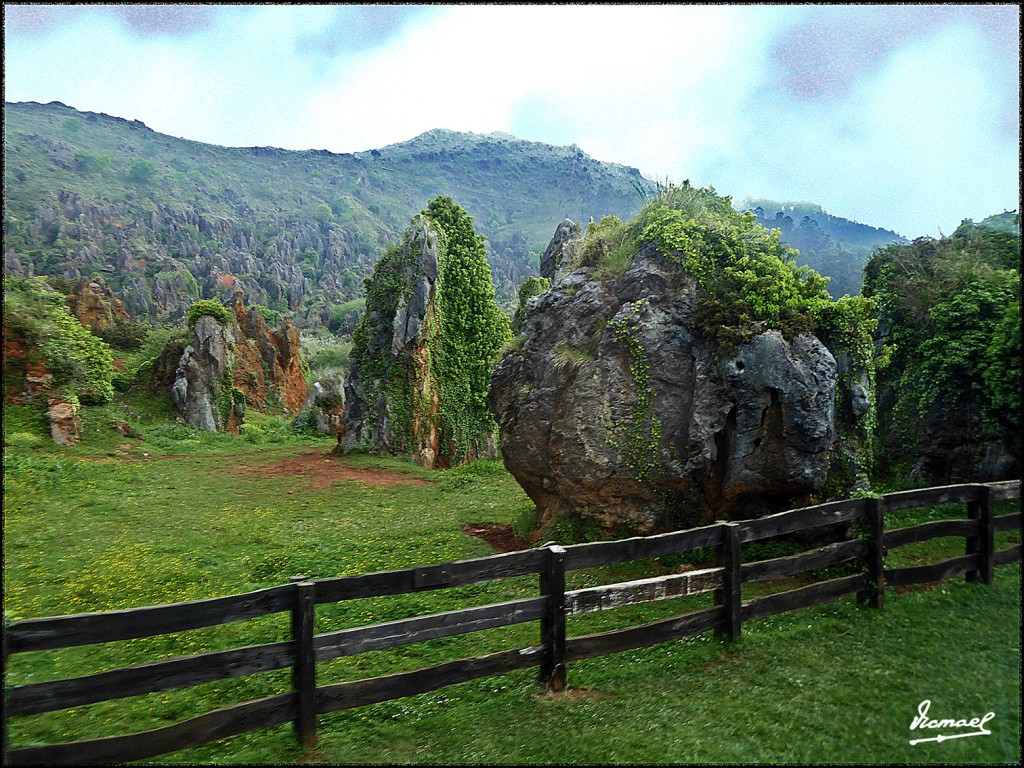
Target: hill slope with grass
[168,220]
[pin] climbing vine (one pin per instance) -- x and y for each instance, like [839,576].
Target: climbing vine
[464,330]
[641,436]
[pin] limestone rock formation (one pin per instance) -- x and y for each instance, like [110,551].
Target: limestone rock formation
[268,362]
[398,338]
[218,375]
[201,389]
[554,260]
[612,408]
[323,410]
[95,305]
[422,354]
[65,427]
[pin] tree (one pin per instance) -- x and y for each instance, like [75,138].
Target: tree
[141,172]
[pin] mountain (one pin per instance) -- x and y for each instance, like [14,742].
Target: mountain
[167,220]
[830,245]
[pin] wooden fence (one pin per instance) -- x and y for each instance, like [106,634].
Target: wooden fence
[551,607]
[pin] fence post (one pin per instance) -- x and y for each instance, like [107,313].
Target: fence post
[984,544]
[875,592]
[729,596]
[552,623]
[304,671]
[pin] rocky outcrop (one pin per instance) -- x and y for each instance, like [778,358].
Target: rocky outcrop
[26,377]
[95,305]
[554,261]
[226,369]
[268,365]
[201,389]
[65,427]
[397,332]
[422,354]
[323,410]
[612,408]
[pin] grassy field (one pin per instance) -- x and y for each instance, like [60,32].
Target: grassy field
[174,514]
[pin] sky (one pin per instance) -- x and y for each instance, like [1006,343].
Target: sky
[905,117]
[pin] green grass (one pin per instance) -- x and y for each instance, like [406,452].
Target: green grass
[92,528]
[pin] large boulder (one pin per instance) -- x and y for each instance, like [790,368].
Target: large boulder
[613,408]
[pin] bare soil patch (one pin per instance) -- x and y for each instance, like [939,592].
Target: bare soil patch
[322,470]
[498,535]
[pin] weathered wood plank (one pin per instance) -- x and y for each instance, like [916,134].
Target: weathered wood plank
[430,577]
[552,621]
[930,530]
[924,574]
[930,497]
[304,671]
[362,692]
[1007,556]
[590,646]
[90,628]
[608,596]
[219,724]
[730,594]
[800,519]
[804,597]
[348,642]
[874,591]
[1010,489]
[983,544]
[50,696]
[1007,522]
[822,557]
[600,553]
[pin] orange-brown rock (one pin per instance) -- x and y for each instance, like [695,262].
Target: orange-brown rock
[65,428]
[28,379]
[268,361]
[95,305]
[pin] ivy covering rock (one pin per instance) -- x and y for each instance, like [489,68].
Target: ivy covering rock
[423,352]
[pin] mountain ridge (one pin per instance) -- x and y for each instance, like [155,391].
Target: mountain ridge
[167,220]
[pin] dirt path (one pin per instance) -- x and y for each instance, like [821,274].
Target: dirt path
[498,535]
[322,470]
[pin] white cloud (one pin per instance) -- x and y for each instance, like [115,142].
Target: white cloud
[916,141]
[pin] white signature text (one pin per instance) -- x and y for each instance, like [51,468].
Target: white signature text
[922,721]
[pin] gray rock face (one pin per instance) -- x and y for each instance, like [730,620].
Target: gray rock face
[612,408]
[553,261]
[202,372]
[323,407]
[368,422]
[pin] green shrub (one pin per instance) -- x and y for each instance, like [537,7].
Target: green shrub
[121,382]
[211,307]
[81,363]
[124,334]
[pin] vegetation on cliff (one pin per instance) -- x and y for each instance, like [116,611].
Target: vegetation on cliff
[80,362]
[949,332]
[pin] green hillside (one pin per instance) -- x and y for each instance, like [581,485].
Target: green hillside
[830,245]
[88,194]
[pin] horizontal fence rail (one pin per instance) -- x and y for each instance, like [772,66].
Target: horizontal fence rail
[304,649]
